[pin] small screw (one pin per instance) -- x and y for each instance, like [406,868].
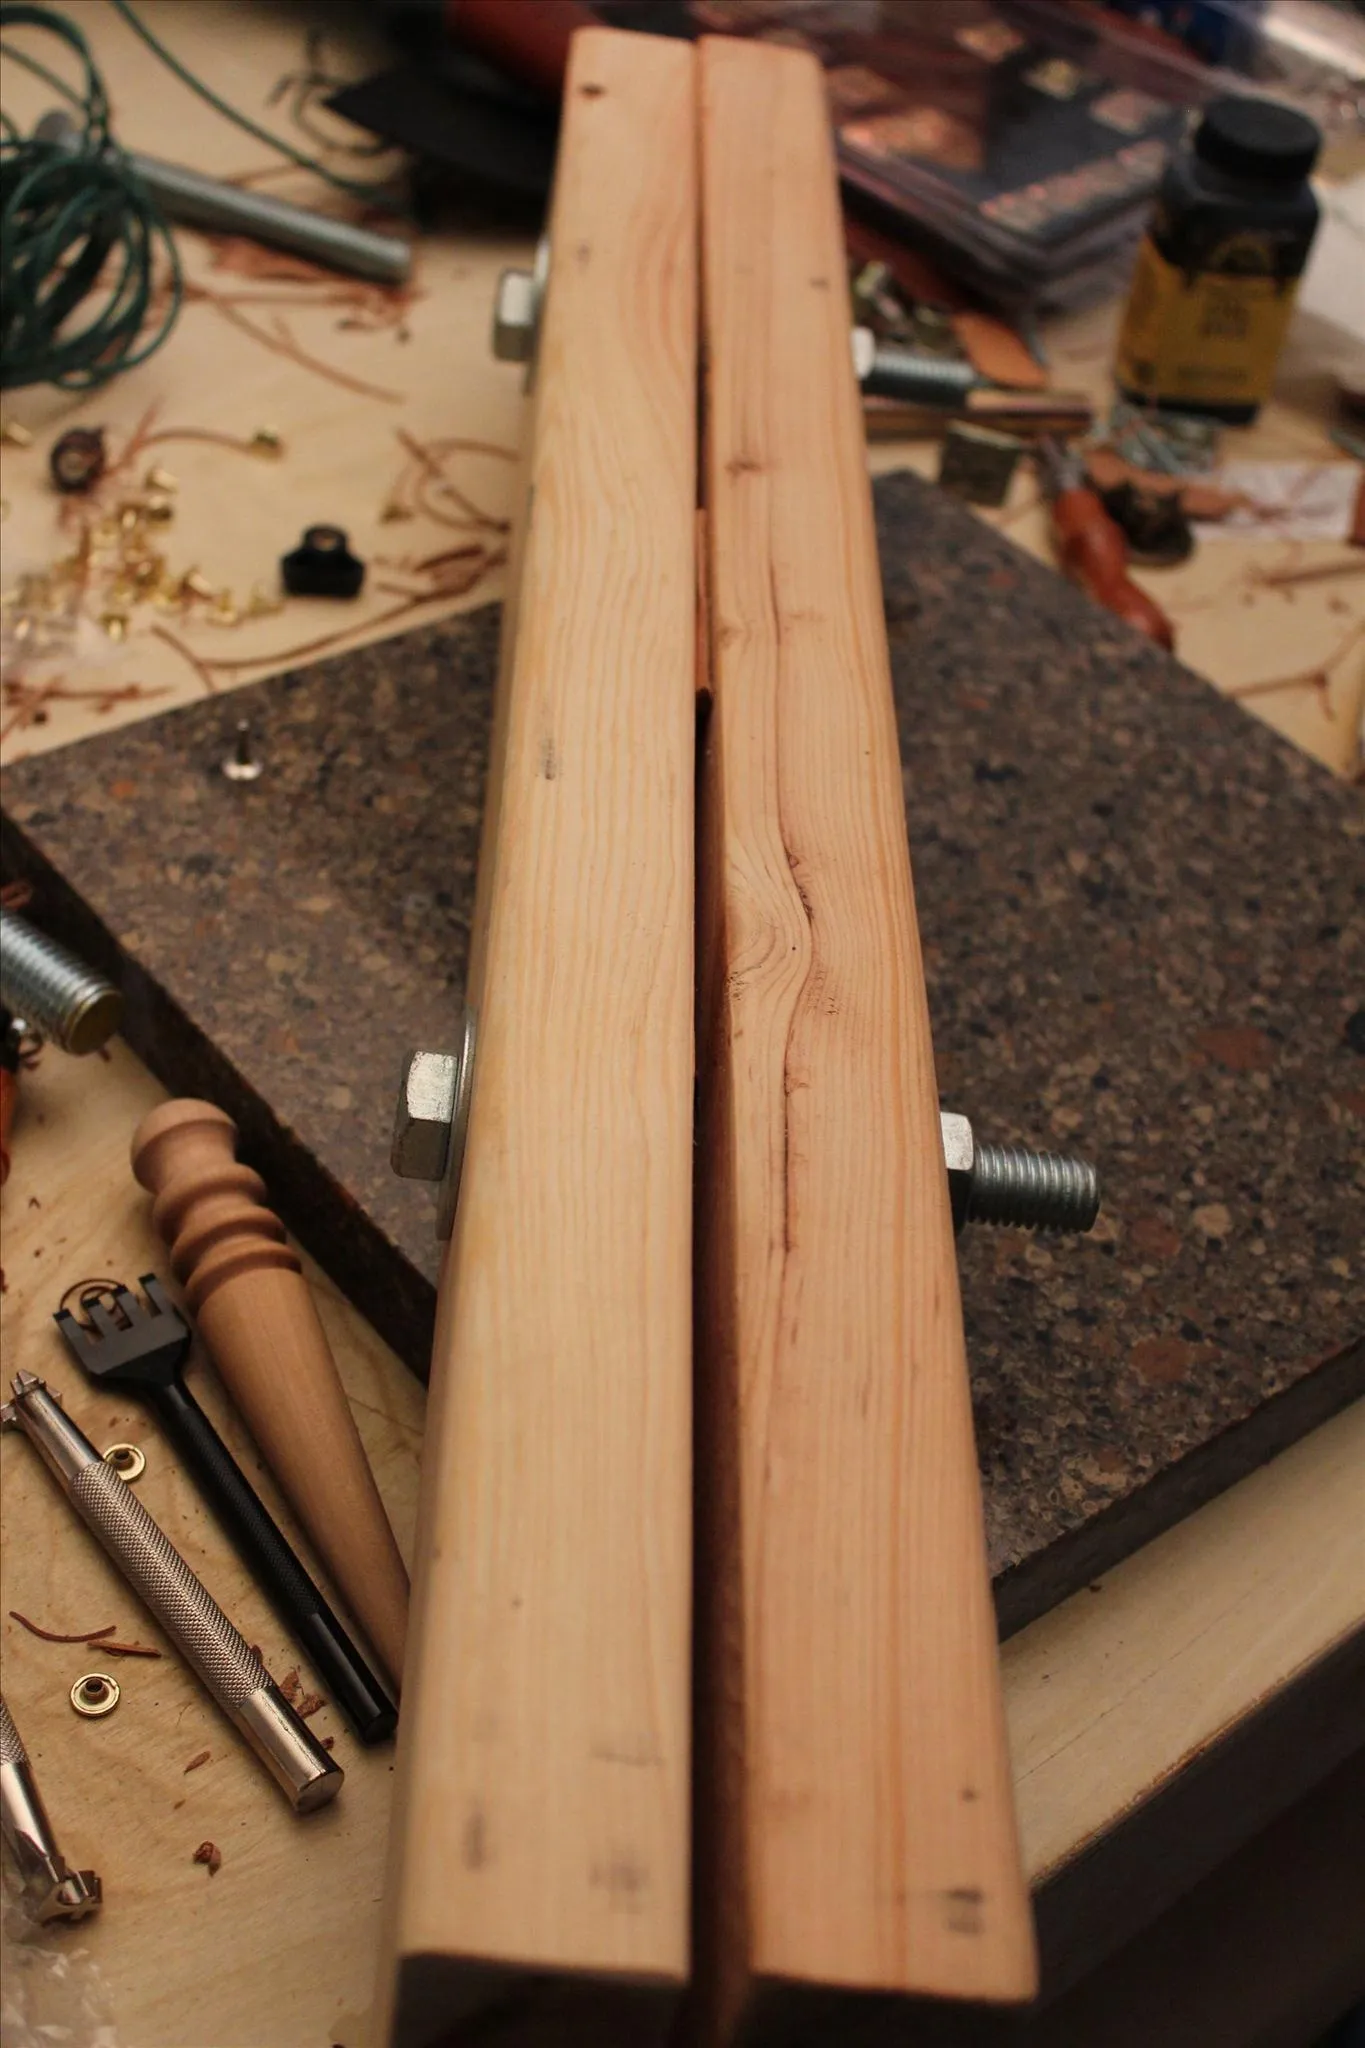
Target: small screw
[242,765]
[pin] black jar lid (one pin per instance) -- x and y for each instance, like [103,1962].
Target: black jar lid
[1258,139]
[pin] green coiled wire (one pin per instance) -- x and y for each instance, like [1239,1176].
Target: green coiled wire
[79,236]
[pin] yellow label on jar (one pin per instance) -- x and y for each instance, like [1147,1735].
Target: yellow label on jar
[1214,337]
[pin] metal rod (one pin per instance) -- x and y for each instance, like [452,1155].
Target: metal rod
[198,201]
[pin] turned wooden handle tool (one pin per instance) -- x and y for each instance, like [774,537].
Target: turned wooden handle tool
[245,1287]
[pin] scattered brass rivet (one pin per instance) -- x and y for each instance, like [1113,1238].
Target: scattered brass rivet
[260,605]
[194,583]
[17,435]
[129,517]
[128,1460]
[266,441]
[158,479]
[95,1694]
[115,625]
[160,509]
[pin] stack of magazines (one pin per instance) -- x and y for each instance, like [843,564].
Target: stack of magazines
[1018,143]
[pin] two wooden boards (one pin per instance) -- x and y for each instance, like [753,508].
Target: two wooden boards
[854,1826]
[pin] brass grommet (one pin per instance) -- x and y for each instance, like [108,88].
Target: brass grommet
[94,1694]
[128,1460]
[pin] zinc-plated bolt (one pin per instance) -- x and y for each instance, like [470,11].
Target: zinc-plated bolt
[52,990]
[1013,1184]
[885,370]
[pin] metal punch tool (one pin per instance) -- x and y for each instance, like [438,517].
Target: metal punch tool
[55,1891]
[220,1656]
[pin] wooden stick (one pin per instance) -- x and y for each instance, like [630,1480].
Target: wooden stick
[855,1819]
[540,1844]
[255,1311]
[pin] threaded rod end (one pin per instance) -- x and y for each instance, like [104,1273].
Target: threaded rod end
[52,990]
[1032,1190]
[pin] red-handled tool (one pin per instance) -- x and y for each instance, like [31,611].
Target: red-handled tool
[1091,547]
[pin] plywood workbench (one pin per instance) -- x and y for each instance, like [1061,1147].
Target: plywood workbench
[1157,1721]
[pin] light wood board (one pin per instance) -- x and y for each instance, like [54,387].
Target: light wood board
[543,1814]
[860,1830]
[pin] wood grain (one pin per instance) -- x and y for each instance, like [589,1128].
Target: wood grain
[542,1837]
[857,1772]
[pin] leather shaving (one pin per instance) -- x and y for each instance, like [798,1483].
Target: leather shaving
[47,1635]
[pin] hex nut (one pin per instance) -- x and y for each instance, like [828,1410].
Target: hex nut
[514,316]
[426,1106]
[959,1154]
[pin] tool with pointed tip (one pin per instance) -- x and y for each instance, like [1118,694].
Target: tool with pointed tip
[245,1288]
[145,1353]
[219,1655]
[54,1890]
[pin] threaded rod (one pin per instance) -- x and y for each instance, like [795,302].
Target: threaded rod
[52,990]
[1033,1190]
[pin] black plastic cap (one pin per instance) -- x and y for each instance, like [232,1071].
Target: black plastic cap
[322,565]
[1258,139]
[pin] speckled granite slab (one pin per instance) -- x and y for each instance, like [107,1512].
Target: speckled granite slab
[1144,919]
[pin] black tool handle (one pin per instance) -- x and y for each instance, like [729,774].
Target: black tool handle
[292,1594]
